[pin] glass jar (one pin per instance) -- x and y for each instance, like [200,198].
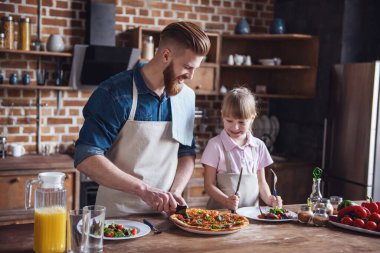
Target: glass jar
[24,34]
[305,214]
[320,217]
[8,28]
[315,195]
[2,40]
[49,211]
[324,202]
[148,48]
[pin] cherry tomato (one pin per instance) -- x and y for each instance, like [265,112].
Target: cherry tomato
[346,220]
[359,223]
[370,225]
[134,231]
[261,216]
[375,217]
[119,226]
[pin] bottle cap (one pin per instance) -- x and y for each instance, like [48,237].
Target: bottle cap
[51,179]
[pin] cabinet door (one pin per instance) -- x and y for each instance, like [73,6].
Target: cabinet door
[12,191]
[294,181]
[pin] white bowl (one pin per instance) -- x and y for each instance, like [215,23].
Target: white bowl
[270,62]
[267,62]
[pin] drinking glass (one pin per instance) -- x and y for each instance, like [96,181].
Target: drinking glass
[74,231]
[93,228]
[335,201]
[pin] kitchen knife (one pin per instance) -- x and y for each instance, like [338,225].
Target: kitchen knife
[238,186]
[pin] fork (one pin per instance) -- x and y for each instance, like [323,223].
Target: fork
[274,183]
[155,230]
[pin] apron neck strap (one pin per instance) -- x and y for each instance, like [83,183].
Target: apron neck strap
[134,101]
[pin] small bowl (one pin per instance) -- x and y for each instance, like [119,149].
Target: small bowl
[270,62]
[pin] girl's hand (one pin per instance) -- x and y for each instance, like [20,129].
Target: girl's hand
[275,201]
[232,202]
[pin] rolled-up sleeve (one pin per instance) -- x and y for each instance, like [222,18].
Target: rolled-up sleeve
[184,150]
[103,121]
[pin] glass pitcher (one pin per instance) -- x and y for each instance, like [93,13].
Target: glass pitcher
[49,211]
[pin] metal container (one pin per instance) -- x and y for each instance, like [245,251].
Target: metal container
[24,34]
[8,28]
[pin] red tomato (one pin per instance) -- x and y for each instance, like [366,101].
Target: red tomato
[119,226]
[359,223]
[261,216]
[370,225]
[134,231]
[346,220]
[375,217]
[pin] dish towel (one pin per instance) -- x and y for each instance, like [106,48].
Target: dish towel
[183,110]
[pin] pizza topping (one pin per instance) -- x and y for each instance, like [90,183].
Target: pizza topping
[210,220]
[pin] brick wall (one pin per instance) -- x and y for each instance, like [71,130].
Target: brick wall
[67,18]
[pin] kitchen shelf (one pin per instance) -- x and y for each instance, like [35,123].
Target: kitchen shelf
[256,66]
[34,86]
[294,79]
[38,53]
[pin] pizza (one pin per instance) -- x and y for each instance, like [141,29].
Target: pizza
[209,220]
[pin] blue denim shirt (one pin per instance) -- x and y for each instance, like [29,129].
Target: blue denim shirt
[108,109]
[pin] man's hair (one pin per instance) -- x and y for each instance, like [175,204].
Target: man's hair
[187,35]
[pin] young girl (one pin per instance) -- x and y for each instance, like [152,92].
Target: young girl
[236,149]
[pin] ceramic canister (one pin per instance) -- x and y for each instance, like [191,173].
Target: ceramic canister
[55,43]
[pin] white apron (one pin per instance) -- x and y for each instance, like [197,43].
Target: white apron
[227,183]
[145,150]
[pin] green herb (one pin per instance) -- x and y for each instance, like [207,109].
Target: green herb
[208,217]
[215,227]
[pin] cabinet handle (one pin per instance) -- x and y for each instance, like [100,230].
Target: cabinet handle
[15,180]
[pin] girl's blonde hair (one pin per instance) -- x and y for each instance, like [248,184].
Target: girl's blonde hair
[239,103]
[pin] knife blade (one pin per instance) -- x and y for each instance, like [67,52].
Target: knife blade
[238,186]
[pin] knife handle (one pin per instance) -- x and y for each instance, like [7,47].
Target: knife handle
[148,223]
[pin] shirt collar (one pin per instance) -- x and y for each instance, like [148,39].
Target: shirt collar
[142,88]
[229,144]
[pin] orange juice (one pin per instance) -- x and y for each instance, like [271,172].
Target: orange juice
[50,229]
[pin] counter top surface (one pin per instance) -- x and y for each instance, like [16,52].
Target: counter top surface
[257,237]
[36,162]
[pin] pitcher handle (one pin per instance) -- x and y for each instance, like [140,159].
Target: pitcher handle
[28,192]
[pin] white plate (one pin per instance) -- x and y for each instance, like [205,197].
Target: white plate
[141,228]
[252,212]
[257,128]
[207,232]
[276,124]
[361,230]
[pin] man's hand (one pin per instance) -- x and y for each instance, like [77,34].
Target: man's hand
[158,199]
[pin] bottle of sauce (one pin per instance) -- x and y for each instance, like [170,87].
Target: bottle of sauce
[8,28]
[50,212]
[24,34]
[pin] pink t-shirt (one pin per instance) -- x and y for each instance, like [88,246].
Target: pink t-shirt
[253,156]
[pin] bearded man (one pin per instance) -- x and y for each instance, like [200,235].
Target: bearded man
[137,139]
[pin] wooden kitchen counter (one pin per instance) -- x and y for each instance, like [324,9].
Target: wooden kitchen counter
[290,237]
[36,162]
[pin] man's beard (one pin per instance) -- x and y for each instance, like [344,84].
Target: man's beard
[172,86]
